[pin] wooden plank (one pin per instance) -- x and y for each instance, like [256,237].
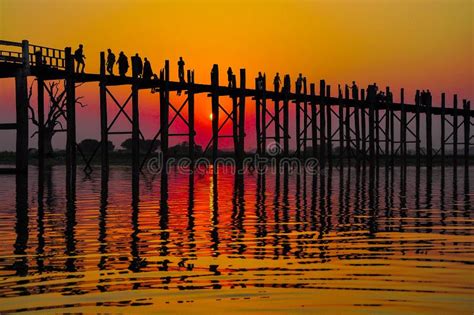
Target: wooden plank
[8,126]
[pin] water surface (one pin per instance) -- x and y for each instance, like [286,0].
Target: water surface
[355,240]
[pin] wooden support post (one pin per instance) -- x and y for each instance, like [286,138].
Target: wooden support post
[258,131]
[392,129]
[443,130]
[298,121]
[467,131]
[192,132]
[21,92]
[341,123]
[41,134]
[135,128]
[215,111]
[429,139]
[376,109]
[347,123]
[329,125]
[355,97]
[276,101]
[417,128]
[104,137]
[322,123]
[70,115]
[242,116]
[455,130]
[314,126]
[305,118]
[235,117]
[371,97]
[363,123]
[164,110]
[286,118]
[263,102]
[403,127]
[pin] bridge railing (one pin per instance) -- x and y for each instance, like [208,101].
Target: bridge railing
[51,57]
[37,55]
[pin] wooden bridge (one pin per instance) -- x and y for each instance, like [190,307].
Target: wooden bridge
[366,128]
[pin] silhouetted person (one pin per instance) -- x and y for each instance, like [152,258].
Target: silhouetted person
[137,65]
[380,97]
[372,92]
[299,83]
[260,81]
[355,91]
[389,97]
[277,82]
[429,98]
[181,70]
[110,62]
[147,71]
[122,64]
[286,84]
[230,77]
[79,57]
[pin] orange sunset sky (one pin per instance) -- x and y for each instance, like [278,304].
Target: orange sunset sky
[412,44]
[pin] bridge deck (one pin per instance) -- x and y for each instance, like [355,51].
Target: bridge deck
[8,70]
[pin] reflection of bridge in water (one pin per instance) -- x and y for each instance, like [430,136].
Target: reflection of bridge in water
[285,216]
[367,128]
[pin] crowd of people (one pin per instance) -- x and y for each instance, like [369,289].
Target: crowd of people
[143,70]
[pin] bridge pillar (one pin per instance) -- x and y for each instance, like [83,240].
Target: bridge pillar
[347,124]
[443,130]
[417,129]
[363,124]
[164,110]
[135,134]
[305,117]
[286,118]
[403,128]
[258,131]
[322,123]
[21,91]
[215,110]
[104,135]
[242,116]
[467,131]
[263,102]
[192,132]
[298,121]
[314,126]
[341,123]
[455,130]
[329,126]
[71,122]
[429,139]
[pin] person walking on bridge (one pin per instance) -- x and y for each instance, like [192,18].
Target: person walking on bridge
[299,84]
[110,61]
[355,91]
[277,82]
[137,65]
[181,70]
[147,71]
[230,77]
[79,57]
[122,64]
